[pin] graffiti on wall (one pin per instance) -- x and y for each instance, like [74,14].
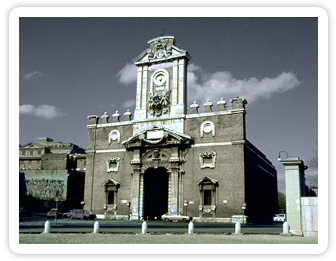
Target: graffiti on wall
[44,188]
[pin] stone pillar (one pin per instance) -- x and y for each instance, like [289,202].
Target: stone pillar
[174,191]
[221,105]
[105,118]
[135,186]
[135,193]
[144,87]
[294,184]
[194,108]
[116,117]
[128,115]
[208,106]
[238,103]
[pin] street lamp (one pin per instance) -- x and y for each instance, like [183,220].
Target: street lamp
[279,157]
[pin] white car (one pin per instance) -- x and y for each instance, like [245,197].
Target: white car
[169,217]
[279,217]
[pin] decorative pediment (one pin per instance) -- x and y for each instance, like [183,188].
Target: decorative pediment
[208,181]
[161,48]
[32,146]
[111,182]
[155,135]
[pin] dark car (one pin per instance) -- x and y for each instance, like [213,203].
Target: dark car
[79,214]
[25,212]
[53,212]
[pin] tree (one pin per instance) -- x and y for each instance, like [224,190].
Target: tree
[282,202]
[313,162]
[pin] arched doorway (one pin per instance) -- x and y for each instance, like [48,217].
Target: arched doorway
[155,194]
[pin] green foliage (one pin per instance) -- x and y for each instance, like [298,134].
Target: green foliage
[282,202]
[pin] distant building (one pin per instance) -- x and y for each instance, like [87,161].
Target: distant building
[46,166]
[165,160]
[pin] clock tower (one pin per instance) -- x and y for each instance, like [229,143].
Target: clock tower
[161,85]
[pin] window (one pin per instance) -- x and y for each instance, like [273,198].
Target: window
[23,153]
[31,153]
[110,197]
[111,193]
[207,197]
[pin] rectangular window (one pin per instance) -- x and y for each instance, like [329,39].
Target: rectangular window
[31,153]
[110,199]
[207,197]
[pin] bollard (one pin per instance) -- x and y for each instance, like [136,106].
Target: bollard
[144,227]
[96,227]
[47,226]
[285,228]
[191,227]
[238,228]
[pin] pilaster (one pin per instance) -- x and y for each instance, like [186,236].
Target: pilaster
[135,187]
[144,87]
[174,192]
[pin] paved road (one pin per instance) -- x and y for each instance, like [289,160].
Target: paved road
[35,224]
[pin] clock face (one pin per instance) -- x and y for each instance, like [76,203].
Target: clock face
[160,78]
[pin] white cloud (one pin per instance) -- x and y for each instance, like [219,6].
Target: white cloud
[32,76]
[223,84]
[128,74]
[129,103]
[42,111]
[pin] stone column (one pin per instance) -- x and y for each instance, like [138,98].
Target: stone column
[135,193]
[174,192]
[294,183]
[135,186]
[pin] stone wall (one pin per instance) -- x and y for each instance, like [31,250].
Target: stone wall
[309,216]
[41,184]
[55,161]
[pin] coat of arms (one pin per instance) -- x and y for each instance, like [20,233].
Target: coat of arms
[158,104]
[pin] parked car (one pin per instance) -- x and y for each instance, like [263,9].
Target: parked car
[24,212]
[79,214]
[53,212]
[279,218]
[169,217]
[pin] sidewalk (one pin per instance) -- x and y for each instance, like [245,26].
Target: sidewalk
[90,238]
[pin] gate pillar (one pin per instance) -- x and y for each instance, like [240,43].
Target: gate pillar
[295,189]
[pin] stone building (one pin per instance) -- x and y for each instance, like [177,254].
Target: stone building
[46,166]
[166,160]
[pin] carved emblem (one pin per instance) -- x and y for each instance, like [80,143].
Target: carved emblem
[208,159]
[112,165]
[158,104]
[162,50]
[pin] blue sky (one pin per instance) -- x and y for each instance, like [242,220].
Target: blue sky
[74,67]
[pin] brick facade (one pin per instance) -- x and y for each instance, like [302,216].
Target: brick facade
[201,162]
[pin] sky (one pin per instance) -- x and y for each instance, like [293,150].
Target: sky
[74,67]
